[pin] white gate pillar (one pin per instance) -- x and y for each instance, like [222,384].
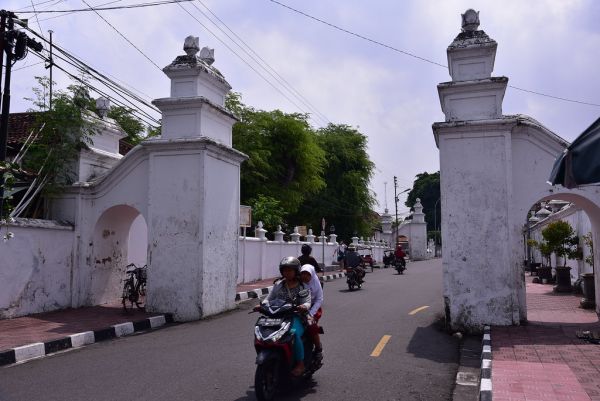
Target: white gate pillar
[480,282]
[193,195]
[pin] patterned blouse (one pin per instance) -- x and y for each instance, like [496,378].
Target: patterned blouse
[292,295]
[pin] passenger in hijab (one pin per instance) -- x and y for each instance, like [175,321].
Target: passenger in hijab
[311,280]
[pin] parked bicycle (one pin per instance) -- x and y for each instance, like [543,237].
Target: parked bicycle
[134,288]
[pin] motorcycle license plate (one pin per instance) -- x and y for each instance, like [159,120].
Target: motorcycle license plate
[265,321]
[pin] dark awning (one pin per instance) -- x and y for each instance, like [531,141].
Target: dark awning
[579,164]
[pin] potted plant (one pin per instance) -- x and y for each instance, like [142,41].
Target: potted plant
[589,291]
[544,272]
[561,240]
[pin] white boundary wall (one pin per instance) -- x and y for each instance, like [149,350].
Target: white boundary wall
[35,268]
[259,259]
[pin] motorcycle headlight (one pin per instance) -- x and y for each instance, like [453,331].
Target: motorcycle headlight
[279,333]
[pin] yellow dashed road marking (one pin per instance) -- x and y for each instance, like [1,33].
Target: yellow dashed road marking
[380,345]
[419,309]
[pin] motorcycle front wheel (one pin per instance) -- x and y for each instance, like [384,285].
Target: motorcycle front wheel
[266,380]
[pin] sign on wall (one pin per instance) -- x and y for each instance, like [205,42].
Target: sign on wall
[302,231]
[245,216]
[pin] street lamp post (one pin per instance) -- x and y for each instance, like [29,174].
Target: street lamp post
[396,203]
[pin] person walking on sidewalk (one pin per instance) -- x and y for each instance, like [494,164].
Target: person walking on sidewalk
[341,253]
[306,259]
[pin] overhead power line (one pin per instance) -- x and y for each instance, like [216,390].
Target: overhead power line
[128,101]
[243,60]
[419,57]
[359,35]
[554,97]
[90,8]
[27,66]
[253,54]
[73,12]
[86,65]
[124,37]
[35,5]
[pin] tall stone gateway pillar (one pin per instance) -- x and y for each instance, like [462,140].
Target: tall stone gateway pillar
[193,195]
[418,233]
[480,278]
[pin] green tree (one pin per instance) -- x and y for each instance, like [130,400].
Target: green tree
[65,129]
[286,162]
[560,239]
[427,187]
[345,200]
[132,126]
[267,210]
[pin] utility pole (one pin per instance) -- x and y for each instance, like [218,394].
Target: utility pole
[50,65]
[14,43]
[396,203]
[6,48]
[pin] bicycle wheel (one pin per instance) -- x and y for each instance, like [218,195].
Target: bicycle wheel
[141,298]
[129,296]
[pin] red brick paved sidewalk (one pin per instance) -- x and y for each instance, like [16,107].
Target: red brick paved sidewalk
[544,360]
[49,326]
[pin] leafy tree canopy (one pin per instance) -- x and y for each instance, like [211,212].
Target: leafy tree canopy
[132,126]
[427,187]
[312,174]
[346,200]
[286,162]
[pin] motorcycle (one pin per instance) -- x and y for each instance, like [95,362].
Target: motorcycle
[354,278]
[399,265]
[274,342]
[388,258]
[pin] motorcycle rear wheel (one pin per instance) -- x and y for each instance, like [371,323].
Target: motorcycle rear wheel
[266,379]
[350,287]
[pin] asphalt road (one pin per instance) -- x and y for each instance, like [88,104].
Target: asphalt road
[213,359]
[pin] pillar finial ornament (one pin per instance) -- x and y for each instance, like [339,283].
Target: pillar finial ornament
[470,20]
[191,45]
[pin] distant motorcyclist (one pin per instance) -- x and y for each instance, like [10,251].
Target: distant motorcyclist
[400,254]
[306,259]
[352,260]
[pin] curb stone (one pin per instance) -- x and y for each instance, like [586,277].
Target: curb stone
[257,293]
[485,387]
[469,369]
[38,350]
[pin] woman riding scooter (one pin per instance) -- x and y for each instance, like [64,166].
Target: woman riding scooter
[291,290]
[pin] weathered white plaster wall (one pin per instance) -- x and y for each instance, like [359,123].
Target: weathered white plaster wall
[493,169]
[35,268]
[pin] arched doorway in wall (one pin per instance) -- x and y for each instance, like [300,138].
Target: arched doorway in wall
[120,238]
[547,300]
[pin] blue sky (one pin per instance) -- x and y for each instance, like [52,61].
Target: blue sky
[549,46]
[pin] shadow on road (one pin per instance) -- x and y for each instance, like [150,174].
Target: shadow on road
[434,344]
[293,393]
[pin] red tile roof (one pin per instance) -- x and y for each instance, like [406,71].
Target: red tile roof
[20,126]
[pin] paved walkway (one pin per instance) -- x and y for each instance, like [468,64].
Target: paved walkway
[50,326]
[544,360]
